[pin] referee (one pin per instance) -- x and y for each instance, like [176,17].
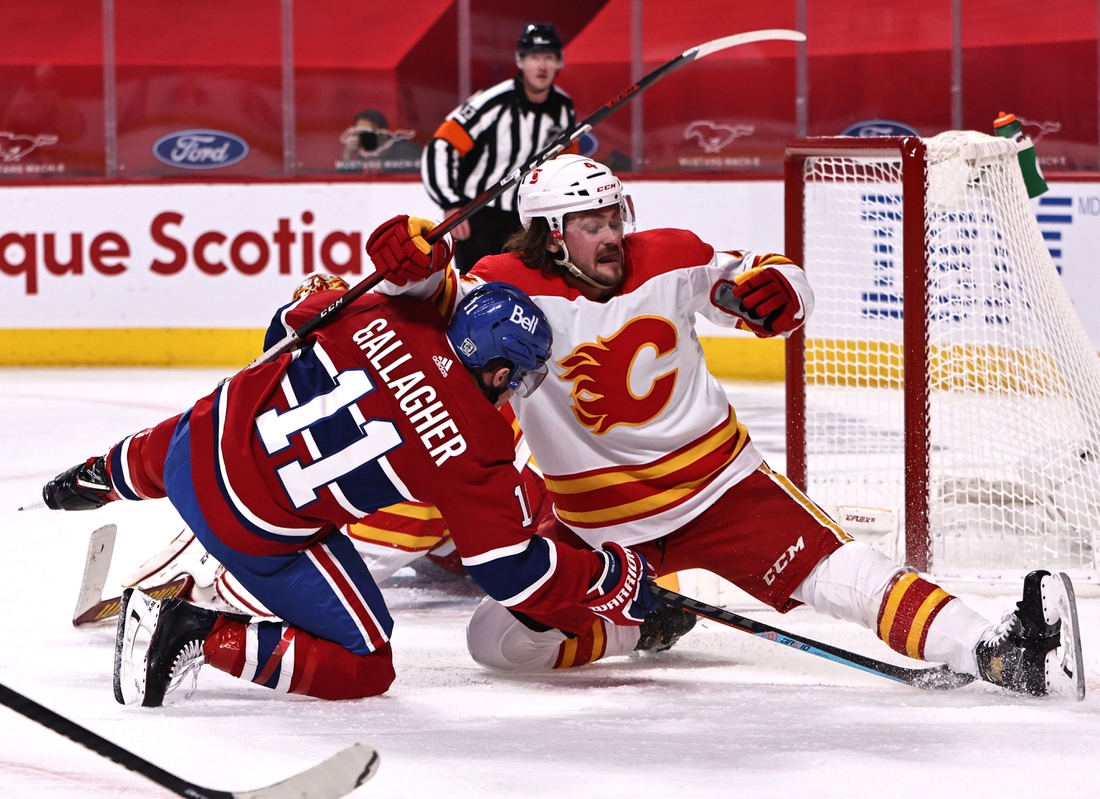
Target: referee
[492,133]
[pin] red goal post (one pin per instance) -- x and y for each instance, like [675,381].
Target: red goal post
[944,375]
[910,152]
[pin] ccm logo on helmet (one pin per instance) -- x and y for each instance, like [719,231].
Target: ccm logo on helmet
[605,188]
[528,323]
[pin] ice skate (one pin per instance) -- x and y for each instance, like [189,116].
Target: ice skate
[158,644]
[662,628]
[1036,649]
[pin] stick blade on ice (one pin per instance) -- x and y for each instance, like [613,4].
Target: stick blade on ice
[338,776]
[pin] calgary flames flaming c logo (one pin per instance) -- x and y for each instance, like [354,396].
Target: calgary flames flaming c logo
[601,375]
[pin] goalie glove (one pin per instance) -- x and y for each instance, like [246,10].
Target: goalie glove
[762,298]
[401,253]
[622,590]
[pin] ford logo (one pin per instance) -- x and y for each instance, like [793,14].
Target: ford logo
[200,149]
[879,127]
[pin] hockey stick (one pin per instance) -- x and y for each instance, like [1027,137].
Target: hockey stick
[294,339]
[101,546]
[107,609]
[91,606]
[338,776]
[938,678]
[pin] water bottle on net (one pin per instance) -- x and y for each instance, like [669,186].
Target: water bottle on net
[1009,127]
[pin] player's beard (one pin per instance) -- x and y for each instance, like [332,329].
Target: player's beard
[607,266]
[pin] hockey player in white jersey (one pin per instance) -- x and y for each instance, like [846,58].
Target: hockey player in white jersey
[639,445]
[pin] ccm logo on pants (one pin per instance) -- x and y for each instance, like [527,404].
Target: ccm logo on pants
[784,560]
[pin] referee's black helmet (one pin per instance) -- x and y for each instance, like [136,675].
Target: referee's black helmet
[539,37]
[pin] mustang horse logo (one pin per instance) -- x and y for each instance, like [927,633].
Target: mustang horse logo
[714,137]
[602,397]
[18,145]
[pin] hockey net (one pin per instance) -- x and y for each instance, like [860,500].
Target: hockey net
[944,374]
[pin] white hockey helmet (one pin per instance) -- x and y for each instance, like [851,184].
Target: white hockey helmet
[567,184]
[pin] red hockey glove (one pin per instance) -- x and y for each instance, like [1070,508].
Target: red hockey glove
[762,297]
[622,590]
[400,251]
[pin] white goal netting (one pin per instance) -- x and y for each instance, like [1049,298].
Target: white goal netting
[1013,417]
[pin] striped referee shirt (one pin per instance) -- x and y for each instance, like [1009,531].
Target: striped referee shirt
[481,141]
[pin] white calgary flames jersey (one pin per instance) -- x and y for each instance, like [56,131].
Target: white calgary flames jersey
[634,436]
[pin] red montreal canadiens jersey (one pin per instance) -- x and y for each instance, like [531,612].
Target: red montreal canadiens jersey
[376,410]
[634,436]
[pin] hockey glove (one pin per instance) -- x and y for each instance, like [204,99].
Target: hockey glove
[762,298]
[86,486]
[400,251]
[622,591]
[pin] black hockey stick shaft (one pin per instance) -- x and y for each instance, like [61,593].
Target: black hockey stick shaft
[335,777]
[935,677]
[101,746]
[554,148]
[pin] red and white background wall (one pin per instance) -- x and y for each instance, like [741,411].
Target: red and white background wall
[169,171]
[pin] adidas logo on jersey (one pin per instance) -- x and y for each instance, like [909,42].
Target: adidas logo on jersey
[444,364]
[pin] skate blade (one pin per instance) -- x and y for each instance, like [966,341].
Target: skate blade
[138,613]
[1065,666]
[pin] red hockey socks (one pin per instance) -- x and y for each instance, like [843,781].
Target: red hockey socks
[909,606]
[590,645]
[286,658]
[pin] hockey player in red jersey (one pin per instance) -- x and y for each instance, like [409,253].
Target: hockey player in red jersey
[388,402]
[639,446]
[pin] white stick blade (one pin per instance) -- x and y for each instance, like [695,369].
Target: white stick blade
[338,776]
[768,35]
[101,546]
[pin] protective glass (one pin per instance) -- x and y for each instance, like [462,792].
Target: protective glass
[592,226]
[525,382]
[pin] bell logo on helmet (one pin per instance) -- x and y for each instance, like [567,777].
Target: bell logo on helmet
[528,323]
[497,320]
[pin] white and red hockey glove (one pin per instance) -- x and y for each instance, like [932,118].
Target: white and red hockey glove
[400,251]
[622,591]
[762,298]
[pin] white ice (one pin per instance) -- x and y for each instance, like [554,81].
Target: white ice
[723,714]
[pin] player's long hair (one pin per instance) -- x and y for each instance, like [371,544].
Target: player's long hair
[530,246]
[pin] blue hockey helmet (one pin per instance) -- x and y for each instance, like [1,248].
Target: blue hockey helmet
[497,320]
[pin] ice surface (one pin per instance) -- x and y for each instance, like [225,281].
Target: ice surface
[723,714]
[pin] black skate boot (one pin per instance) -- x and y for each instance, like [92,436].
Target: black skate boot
[171,634]
[664,627]
[83,487]
[1036,649]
